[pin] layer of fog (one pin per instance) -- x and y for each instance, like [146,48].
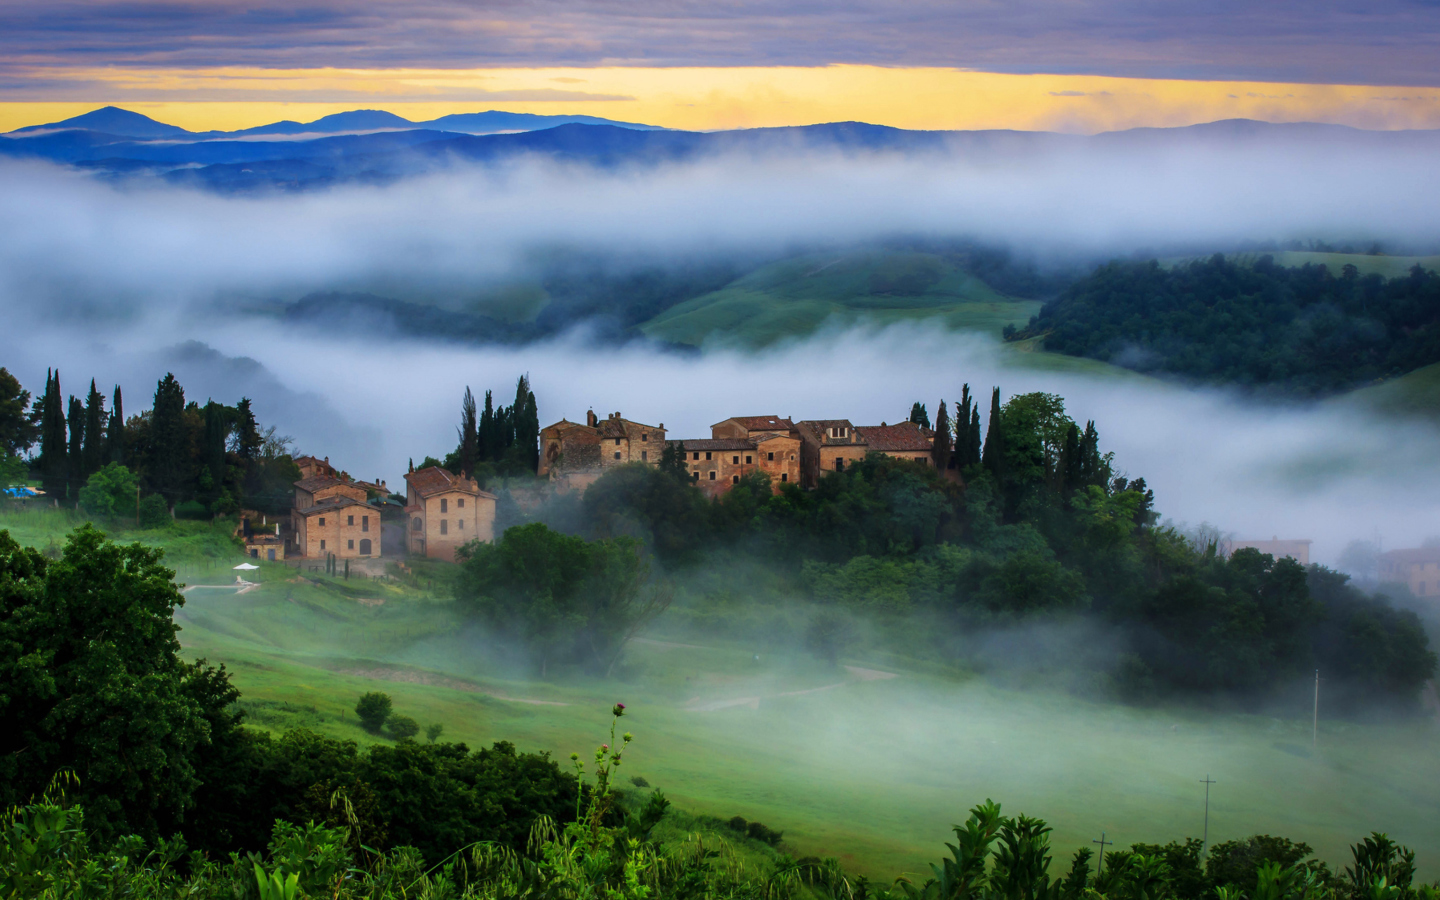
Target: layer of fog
[1331,473]
[70,241]
[107,280]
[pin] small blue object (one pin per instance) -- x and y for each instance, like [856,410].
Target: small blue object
[21,491]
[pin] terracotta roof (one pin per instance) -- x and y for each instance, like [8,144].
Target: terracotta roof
[717,444]
[317,482]
[759,423]
[762,438]
[301,460]
[1412,556]
[907,436]
[330,504]
[435,480]
[621,427]
[819,430]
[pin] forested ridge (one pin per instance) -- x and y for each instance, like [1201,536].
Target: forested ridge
[1302,332]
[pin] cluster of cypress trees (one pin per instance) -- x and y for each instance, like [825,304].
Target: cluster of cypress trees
[181,451]
[75,446]
[506,437]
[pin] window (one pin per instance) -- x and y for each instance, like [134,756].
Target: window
[460,525]
[734,479]
[351,545]
[322,545]
[644,455]
[694,476]
[784,476]
[364,523]
[707,454]
[749,460]
[444,505]
[617,442]
[365,547]
[460,503]
[617,454]
[644,436]
[712,474]
[696,455]
[735,459]
[255,553]
[416,524]
[839,464]
[351,520]
[770,457]
[322,521]
[444,526]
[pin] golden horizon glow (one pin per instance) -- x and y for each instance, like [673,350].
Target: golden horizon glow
[723,98]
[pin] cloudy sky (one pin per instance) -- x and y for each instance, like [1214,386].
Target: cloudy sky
[1067,64]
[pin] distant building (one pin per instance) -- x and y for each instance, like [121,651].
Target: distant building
[262,542]
[1418,568]
[576,455]
[775,442]
[1298,550]
[903,441]
[310,466]
[444,512]
[717,465]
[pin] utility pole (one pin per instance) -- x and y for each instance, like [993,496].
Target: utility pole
[1315,723]
[1103,843]
[1205,841]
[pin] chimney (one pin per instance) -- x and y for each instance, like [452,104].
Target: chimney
[590,418]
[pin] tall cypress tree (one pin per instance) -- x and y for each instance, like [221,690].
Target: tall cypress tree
[487,440]
[212,454]
[75,469]
[168,453]
[975,433]
[941,449]
[1070,463]
[53,456]
[1093,468]
[965,454]
[95,447]
[994,454]
[248,441]
[469,434]
[115,431]
[527,424]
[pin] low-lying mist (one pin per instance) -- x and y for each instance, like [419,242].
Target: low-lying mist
[111,280]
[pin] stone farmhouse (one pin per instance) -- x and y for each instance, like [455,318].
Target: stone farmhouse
[444,511]
[575,455]
[333,516]
[1418,568]
[789,452]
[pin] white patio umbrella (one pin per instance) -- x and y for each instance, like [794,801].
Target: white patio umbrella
[246,566]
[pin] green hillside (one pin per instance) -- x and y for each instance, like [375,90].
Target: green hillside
[1414,394]
[796,296]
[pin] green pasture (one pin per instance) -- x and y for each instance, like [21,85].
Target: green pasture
[797,296]
[1415,393]
[871,763]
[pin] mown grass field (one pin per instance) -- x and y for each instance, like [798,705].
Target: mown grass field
[870,763]
[797,296]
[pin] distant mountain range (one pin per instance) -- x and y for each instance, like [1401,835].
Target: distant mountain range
[378,147]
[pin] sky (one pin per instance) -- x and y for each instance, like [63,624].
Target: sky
[1073,65]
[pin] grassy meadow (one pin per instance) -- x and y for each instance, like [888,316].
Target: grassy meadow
[796,296]
[871,761]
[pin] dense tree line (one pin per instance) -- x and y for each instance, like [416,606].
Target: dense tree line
[1300,331]
[1032,521]
[95,686]
[207,460]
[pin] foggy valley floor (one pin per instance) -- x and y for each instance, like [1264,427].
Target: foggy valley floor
[871,771]
[845,761]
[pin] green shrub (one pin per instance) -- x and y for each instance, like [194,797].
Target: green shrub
[191,509]
[109,492]
[402,728]
[372,710]
[153,512]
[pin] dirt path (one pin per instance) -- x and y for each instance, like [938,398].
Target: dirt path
[414,676]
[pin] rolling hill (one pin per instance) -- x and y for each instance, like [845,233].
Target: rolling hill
[796,296]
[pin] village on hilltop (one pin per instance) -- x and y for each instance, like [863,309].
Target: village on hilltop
[337,517]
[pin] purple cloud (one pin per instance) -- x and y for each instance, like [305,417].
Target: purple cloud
[1328,41]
